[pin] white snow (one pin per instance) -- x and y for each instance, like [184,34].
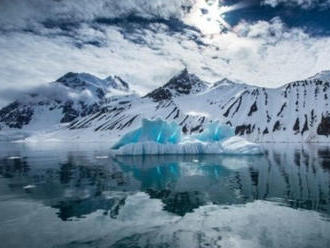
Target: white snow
[226,102]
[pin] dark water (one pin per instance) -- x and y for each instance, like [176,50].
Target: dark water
[77,196]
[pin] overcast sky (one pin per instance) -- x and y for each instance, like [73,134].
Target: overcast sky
[266,43]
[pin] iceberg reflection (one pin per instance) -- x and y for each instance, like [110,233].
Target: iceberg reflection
[79,200]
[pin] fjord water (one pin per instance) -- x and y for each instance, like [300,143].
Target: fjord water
[78,196]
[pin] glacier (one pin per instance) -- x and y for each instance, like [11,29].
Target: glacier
[157,137]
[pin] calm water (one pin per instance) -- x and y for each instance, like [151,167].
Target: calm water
[77,196]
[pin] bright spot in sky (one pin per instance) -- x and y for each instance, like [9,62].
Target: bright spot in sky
[208,15]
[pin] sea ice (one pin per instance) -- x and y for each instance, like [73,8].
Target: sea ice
[161,137]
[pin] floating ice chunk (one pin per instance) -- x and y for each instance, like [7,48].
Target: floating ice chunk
[102,157]
[28,187]
[14,157]
[161,137]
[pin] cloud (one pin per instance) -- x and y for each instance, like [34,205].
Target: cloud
[270,32]
[148,54]
[261,53]
[270,54]
[45,93]
[30,60]
[305,4]
[16,14]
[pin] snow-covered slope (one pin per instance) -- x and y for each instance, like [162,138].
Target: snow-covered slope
[296,112]
[72,96]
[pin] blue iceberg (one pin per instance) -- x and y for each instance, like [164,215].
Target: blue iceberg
[158,131]
[215,132]
[156,137]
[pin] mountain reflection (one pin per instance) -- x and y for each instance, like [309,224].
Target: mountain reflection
[78,183]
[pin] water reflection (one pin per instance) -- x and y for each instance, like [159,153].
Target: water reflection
[77,183]
[139,199]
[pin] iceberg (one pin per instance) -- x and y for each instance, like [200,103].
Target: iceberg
[215,132]
[158,131]
[156,137]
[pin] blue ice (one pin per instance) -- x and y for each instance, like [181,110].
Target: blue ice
[157,137]
[163,132]
[158,131]
[215,132]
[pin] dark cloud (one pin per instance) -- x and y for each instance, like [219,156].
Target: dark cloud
[16,14]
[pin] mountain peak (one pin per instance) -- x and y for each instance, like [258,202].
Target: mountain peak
[76,80]
[117,83]
[183,73]
[223,82]
[323,76]
[183,78]
[183,83]
[86,81]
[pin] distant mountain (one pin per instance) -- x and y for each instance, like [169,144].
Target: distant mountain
[99,87]
[70,97]
[296,112]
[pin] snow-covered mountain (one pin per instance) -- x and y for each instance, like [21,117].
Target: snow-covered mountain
[180,85]
[72,96]
[296,112]
[98,87]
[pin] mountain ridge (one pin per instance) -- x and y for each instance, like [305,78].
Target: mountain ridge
[296,112]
